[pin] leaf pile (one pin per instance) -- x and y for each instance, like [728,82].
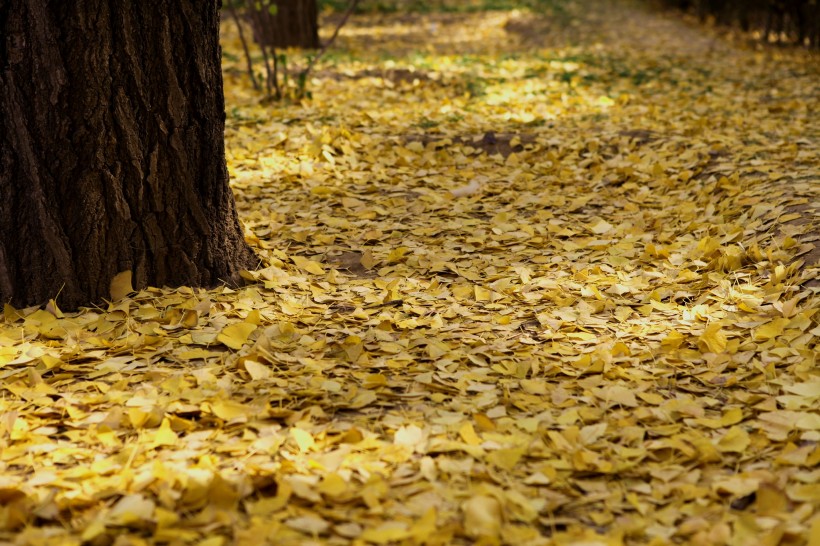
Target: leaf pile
[514,291]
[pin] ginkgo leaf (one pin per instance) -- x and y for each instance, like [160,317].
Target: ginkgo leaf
[165,436]
[309,524]
[468,434]
[388,532]
[411,436]
[121,285]
[367,259]
[618,395]
[714,338]
[229,410]
[236,335]
[308,265]
[303,439]
[600,226]
[131,509]
[735,440]
[257,370]
[482,516]
[771,329]
[333,485]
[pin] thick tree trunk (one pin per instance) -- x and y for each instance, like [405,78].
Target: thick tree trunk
[294,24]
[111,149]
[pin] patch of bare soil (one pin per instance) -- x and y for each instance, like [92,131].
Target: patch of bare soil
[491,143]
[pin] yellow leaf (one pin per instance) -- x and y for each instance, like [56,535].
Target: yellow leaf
[367,260]
[51,362]
[322,191]
[121,285]
[93,530]
[506,458]
[770,500]
[534,386]
[229,410]
[809,389]
[736,440]
[190,319]
[714,338]
[10,314]
[141,418]
[254,317]
[194,354]
[771,329]
[212,541]
[165,436]
[814,532]
[739,485]
[652,398]
[308,265]
[257,370]
[309,524]
[468,434]
[52,308]
[481,293]
[411,436]
[808,421]
[391,531]
[673,340]
[708,246]
[131,509]
[424,527]
[397,254]
[303,439]
[618,395]
[332,485]
[732,416]
[235,335]
[600,226]
[482,516]
[804,492]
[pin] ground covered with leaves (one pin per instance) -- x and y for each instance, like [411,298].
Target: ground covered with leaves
[524,280]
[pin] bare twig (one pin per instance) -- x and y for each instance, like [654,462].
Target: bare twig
[303,76]
[272,77]
[275,71]
[244,45]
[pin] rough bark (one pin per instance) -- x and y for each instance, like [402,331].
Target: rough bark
[295,24]
[111,149]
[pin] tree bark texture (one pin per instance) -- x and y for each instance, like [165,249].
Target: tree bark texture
[112,149]
[295,24]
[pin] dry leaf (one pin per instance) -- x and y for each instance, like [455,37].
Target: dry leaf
[482,516]
[236,335]
[121,285]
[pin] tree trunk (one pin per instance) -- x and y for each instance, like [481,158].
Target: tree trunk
[295,23]
[111,150]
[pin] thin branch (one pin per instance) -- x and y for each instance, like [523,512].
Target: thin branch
[350,8]
[272,79]
[232,9]
[275,72]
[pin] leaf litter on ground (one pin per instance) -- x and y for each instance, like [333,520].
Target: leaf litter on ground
[524,283]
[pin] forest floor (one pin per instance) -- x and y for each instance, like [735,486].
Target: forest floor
[525,280]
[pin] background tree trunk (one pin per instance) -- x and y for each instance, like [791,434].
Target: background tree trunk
[111,149]
[792,21]
[295,24]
